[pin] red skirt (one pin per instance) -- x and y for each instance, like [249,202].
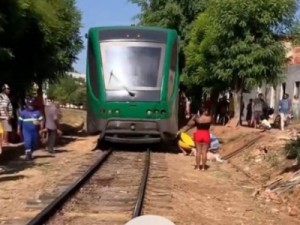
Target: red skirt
[202,136]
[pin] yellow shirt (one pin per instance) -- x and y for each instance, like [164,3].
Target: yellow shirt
[1,128]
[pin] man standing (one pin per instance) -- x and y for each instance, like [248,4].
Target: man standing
[6,112]
[257,110]
[284,109]
[30,121]
[52,121]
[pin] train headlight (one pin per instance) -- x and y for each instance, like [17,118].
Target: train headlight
[132,127]
[117,111]
[109,111]
[149,112]
[163,112]
[156,111]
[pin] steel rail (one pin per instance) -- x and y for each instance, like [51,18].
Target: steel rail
[247,145]
[139,203]
[58,202]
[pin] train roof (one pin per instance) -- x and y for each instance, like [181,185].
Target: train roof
[103,28]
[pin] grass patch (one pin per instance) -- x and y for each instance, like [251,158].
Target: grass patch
[293,150]
[272,159]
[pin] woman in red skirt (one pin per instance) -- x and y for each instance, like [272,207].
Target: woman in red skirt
[201,136]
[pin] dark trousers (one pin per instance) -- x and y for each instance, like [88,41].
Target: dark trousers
[51,139]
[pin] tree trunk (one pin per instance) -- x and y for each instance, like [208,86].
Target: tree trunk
[237,97]
[214,102]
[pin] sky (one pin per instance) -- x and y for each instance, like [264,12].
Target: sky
[102,13]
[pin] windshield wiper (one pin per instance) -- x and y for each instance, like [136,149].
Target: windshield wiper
[123,86]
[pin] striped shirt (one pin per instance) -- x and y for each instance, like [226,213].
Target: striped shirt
[6,109]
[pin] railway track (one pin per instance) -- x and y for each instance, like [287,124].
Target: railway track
[242,148]
[111,192]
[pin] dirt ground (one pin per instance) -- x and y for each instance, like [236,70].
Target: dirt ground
[24,184]
[231,192]
[225,193]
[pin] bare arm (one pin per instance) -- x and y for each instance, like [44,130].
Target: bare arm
[191,123]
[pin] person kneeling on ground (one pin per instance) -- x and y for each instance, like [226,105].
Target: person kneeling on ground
[30,121]
[265,125]
[187,146]
[267,120]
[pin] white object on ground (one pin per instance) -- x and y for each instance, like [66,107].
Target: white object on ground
[150,220]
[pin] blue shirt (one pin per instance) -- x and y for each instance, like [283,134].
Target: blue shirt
[28,119]
[214,144]
[284,106]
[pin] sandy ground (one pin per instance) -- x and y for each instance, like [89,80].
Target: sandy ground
[22,182]
[224,194]
[221,195]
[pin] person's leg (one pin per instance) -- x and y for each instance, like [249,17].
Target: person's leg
[34,140]
[193,152]
[204,151]
[201,155]
[281,121]
[7,129]
[51,140]
[198,152]
[27,143]
[5,137]
[183,151]
[254,119]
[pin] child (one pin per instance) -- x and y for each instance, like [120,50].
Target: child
[29,121]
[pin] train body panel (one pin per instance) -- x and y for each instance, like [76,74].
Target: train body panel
[132,84]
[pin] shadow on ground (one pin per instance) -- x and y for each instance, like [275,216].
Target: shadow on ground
[9,170]
[11,178]
[159,148]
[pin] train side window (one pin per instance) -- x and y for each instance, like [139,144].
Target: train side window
[93,76]
[173,66]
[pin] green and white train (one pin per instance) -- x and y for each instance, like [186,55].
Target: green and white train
[132,84]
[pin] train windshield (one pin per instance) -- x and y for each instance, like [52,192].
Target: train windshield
[132,66]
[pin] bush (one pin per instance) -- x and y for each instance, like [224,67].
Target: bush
[293,150]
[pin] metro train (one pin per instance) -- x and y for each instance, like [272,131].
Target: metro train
[132,84]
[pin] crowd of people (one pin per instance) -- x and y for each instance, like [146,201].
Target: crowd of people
[30,123]
[258,115]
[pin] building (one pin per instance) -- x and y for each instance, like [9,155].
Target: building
[77,75]
[290,83]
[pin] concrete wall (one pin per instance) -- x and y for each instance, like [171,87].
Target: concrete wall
[290,85]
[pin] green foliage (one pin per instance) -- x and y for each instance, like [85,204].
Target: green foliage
[175,14]
[235,40]
[39,40]
[68,90]
[234,44]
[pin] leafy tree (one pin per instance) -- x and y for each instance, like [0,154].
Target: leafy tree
[236,42]
[79,97]
[39,40]
[68,90]
[174,14]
